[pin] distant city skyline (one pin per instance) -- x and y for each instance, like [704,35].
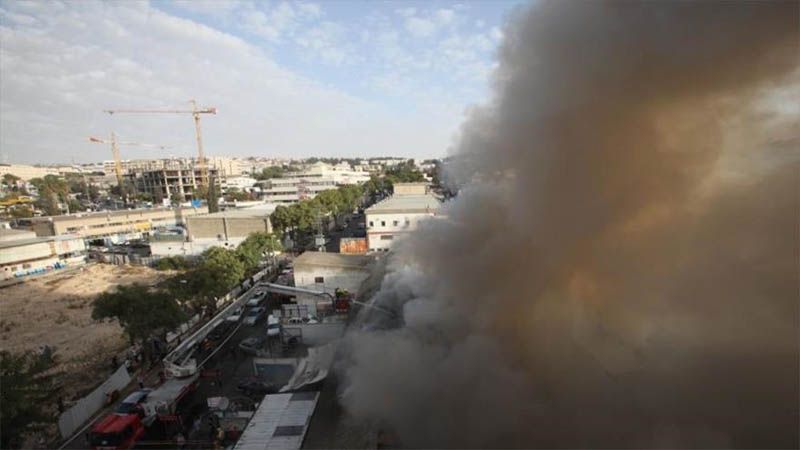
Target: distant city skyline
[290,79]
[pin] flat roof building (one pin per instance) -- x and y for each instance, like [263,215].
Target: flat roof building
[326,272]
[396,216]
[23,254]
[230,225]
[110,223]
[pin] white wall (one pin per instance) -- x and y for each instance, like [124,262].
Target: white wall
[193,248]
[332,278]
[381,227]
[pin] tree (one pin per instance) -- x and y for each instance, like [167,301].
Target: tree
[10,181]
[331,201]
[172,263]
[270,172]
[20,212]
[252,250]
[234,194]
[140,311]
[25,389]
[52,190]
[176,199]
[217,273]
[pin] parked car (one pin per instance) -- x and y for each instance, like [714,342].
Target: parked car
[132,403]
[253,315]
[236,315]
[252,345]
[257,299]
[221,331]
[273,326]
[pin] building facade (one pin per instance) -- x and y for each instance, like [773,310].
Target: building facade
[171,178]
[23,254]
[115,225]
[397,216]
[326,272]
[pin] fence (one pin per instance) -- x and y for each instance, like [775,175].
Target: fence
[73,418]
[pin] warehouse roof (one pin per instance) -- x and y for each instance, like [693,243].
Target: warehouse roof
[281,421]
[332,260]
[38,240]
[10,234]
[260,212]
[406,204]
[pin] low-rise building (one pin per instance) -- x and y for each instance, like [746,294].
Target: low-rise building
[114,225]
[326,272]
[233,225]
[420,188]
[27,172]
[23,254]
[397,216]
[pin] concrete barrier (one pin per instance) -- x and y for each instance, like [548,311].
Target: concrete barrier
[71,419]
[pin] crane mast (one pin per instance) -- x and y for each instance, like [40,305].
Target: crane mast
[195,112]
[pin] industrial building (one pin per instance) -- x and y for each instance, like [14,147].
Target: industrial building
[116,226]
[398,215]
[23,254]
[326,272]
[230,225]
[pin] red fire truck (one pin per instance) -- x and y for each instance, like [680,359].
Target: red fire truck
[116,431]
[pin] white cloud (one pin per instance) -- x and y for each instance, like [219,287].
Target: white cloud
[420,27]
[59,71]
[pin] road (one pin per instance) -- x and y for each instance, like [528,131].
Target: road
[233,369]
[351,230]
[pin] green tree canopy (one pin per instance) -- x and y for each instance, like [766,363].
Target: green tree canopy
[251,251]
[140,311]
[25,389]
[270,172]
[218,272]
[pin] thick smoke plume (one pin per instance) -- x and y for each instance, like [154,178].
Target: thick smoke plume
[620,266]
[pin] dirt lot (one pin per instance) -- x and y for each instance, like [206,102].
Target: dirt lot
[56,311]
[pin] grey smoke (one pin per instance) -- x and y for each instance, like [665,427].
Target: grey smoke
[620,266]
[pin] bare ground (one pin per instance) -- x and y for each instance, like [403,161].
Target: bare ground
[56,311]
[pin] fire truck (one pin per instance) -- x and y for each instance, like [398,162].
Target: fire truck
[116,431]
[123,428]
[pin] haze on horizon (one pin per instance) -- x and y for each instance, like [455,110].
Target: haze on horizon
[301,79]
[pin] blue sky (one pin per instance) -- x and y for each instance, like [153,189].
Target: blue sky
[290,79]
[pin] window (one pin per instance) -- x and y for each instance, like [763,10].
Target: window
[395,223]
[319,279]
[408,222]
[383,223]
[387,237]
[371,224]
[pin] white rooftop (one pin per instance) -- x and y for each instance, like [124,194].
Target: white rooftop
[406,204]
[280,422]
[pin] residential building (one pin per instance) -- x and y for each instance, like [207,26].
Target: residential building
[294,189]
[115,226]
[242,183]
[396,216]
[340,174]
[23,254]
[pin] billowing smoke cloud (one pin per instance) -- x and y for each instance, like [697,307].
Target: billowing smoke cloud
[620,266]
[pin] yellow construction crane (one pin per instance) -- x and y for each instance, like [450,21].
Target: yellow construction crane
[115,152]
[195,112]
